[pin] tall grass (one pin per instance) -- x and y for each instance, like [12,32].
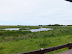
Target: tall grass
[26,45]
[24,41]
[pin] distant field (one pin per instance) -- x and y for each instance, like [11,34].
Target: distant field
[24,41]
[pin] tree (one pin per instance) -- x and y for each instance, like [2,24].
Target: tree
[69,0]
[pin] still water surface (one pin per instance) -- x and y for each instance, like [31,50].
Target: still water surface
[40,29]
[32,30]
[11,29]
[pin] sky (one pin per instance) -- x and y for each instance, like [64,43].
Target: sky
[35,12]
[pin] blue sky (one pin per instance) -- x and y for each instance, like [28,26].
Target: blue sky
[35,12]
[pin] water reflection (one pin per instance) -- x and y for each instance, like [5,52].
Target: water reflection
[32,30]
[11,29]
[40,29]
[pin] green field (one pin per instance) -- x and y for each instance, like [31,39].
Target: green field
[24,41]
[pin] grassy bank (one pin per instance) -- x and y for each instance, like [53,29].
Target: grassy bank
[30,27]
[19,41]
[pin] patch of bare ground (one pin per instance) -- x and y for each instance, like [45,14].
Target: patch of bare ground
[9,38]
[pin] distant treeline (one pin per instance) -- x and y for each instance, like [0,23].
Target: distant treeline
[69,25]
[55,25]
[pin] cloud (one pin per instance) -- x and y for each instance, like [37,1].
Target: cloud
[35,12]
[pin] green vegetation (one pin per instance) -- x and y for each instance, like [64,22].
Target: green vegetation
[24,41]
[30,27]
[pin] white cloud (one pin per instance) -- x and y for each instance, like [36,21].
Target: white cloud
[35,12]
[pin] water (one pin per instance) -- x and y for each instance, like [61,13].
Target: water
[32,30]
[11,29]
[40,29]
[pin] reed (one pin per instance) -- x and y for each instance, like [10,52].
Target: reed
[24,41]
